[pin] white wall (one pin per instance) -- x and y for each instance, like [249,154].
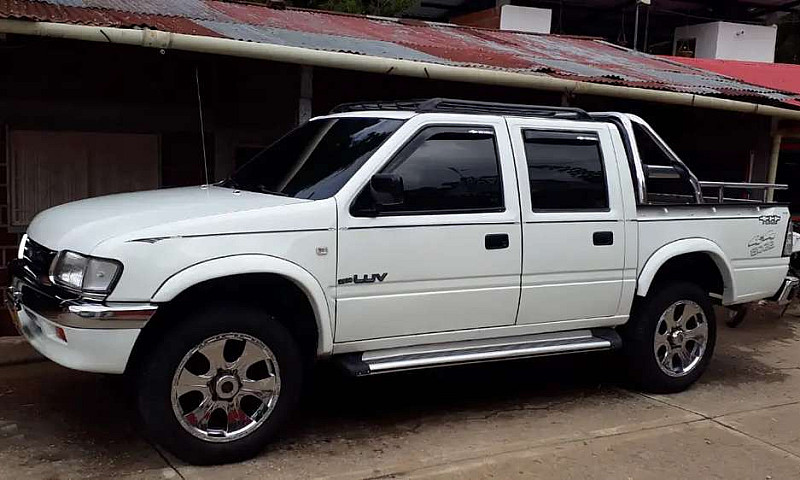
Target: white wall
[731,41]
[705,35]
[755,43]
[525,19]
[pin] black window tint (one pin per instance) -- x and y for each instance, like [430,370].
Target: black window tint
[662,189]
[447,169]
[565,171]
[316,159]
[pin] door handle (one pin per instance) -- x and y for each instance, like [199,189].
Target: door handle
[603,238]
[496,241]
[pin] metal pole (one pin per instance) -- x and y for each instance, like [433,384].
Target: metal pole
[636,28]
[773,164]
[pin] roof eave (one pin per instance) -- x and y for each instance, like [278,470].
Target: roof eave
[381,65]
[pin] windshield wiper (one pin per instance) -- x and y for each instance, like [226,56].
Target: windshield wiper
[231,183]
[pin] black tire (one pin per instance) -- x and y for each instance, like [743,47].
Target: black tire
[639,334]
[156,372]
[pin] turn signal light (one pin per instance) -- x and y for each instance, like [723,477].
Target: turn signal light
[60,333]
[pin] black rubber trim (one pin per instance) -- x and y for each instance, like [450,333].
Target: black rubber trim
[352,364]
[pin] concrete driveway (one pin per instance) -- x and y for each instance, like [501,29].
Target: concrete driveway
[567,417]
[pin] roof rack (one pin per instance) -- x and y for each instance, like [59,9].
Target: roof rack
[448,105]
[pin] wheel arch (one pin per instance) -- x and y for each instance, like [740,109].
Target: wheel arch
[254,264]
[701,253]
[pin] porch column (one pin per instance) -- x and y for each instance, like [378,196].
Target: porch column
[306,93]
[775,153]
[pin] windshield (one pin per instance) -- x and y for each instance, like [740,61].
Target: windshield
[314,160]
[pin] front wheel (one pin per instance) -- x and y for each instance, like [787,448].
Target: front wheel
[670,338]
[219,385]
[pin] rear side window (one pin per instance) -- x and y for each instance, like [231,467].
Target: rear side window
[449,170]
[565,171]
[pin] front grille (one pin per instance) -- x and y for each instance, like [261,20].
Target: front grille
[38,258]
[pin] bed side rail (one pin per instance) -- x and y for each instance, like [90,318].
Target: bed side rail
[765,189]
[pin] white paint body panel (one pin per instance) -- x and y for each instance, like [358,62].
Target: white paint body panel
[90,350]
[560,262]
[442,284]
[440,277]
[82,225]
[751,272]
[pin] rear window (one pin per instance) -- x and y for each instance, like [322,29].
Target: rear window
[661,190]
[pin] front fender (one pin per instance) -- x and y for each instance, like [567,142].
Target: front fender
[255,263]
[681,247]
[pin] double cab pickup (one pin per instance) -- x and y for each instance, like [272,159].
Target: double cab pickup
[395,236]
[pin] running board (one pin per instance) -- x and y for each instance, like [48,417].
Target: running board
[472,351]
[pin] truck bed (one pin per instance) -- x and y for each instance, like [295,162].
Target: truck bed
[750,240]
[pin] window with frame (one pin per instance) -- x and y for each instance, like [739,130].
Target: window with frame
[448,170]
[661,190]
[565,171]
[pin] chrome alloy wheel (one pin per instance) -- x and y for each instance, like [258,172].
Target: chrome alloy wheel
[226,387]
[681,338]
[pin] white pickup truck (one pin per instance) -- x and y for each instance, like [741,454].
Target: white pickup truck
[395,236]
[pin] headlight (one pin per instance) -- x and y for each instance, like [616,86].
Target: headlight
[88,274]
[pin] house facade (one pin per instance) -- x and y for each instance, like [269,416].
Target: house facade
[108,99]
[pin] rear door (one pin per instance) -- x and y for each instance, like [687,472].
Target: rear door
[449,257]
[573,222]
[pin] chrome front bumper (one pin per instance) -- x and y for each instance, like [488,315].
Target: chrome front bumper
[76,313]
[77,333]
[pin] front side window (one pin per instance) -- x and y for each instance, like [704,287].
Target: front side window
[448,170]
[316,159]
[565,171]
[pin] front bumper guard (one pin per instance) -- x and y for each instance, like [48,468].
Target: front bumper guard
[75,313]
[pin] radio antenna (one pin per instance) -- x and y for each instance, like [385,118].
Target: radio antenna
[202,127]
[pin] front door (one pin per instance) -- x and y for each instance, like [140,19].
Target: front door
[449,256]
[573,222]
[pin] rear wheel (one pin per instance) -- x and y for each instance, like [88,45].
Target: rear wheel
[670,338]
[219,385]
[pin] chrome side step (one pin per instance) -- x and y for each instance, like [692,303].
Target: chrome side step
[472,351]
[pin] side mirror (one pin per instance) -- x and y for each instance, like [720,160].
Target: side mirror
[386,189]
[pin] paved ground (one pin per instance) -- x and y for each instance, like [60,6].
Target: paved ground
[555,418]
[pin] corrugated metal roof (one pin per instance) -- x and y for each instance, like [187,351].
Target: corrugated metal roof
[577,58]
[780,76]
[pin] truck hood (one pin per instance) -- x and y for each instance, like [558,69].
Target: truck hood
[84,224]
